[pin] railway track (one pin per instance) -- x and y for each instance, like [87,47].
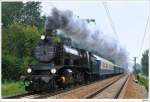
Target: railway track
[82,92]
[112,91]
[73,91]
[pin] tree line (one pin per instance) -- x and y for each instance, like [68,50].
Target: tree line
[145,62]
[22,25]
[143,67]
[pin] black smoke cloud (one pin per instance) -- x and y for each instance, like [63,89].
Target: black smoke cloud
[86,36]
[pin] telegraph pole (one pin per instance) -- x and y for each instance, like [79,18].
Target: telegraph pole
[135,64]
[136,73]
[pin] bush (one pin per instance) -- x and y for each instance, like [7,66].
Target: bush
[144,81]
[12,88]
[11,67]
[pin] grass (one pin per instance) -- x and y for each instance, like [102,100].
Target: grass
[12,88]
[143,81]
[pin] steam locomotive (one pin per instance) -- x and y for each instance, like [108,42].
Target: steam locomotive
[61,65]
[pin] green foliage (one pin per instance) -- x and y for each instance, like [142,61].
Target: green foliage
[31,14]
[12,88]
[11,12]
[22,25]
[18,42]
[10,65]
[143,81]
[27,13]
[145,62]
[19,39]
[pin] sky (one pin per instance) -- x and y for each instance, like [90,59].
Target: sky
[129,19]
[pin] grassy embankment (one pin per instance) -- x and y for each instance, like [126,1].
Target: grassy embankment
[143,80]
[12,88]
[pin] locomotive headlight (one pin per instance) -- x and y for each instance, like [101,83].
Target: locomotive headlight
[29,70]
[42,37]
[53,70]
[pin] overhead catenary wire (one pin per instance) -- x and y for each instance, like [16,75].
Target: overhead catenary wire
[110,19]
[142,41]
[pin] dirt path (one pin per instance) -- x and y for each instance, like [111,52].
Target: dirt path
[134,90]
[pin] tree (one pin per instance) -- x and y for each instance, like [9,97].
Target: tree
[11,12]
[19,39]
[21,29]
[18,42]
[32,14]
[145,62]
[11,67]
[27,13]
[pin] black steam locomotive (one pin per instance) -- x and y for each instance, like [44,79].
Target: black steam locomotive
[60,66]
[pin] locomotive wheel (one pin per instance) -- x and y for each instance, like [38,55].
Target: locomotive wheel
[80,77]
[63,83]
[65,78]
[61,79]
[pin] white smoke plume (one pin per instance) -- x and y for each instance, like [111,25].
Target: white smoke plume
[86,36]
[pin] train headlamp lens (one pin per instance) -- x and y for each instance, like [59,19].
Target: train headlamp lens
[53,70]
[29,70]
[42,37]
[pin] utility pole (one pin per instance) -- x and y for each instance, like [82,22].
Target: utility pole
[136,73]
[135,64]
